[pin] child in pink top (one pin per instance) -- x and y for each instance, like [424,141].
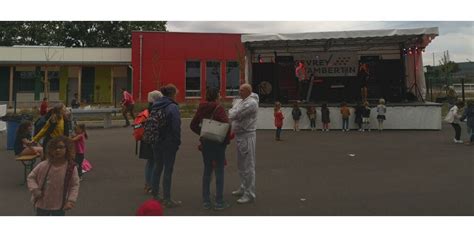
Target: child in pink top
[54,183]
[80,144]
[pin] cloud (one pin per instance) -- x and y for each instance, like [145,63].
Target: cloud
[457,37]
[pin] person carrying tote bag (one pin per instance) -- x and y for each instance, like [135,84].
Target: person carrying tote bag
[210,122]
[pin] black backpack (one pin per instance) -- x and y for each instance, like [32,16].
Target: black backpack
[154,126]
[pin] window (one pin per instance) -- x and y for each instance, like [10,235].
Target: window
[232,77]
[213,74]
[53,77]
[193,79]
[26,81]
[53,80]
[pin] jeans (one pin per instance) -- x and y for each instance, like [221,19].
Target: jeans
[457,131]
[345,123]
[470,131]
[79,159]
[164,160]
[42,212]
[278,133]
[149,171]
[312,123]
[213,152]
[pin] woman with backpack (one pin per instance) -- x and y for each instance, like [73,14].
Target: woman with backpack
[146,149]
[213,152]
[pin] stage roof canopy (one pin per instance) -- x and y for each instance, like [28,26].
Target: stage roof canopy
[343,40]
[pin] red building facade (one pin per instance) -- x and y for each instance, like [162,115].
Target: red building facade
[191,61]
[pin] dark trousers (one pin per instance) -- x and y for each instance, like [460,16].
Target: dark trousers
[79,159]
[213,152]
[312,123]
[164,160]
[128,109]
[42,212]
[457,131]
[278,133]
[303,89]
[345,123]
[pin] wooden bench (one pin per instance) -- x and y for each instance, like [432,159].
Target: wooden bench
[28,162]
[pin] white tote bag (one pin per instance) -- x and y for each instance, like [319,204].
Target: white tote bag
[214,130]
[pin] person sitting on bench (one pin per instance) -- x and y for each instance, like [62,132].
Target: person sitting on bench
[23,145]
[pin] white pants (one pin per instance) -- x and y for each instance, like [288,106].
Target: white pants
[246,162]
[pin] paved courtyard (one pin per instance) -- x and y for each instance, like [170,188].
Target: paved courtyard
[309,173]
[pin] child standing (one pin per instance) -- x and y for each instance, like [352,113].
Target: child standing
[311,112]
[23,144]
[278,120]
[80,144]
[366,117]
[381,110]
[325,117]
[54,182]
[345,113]
[296,113]
[359,110]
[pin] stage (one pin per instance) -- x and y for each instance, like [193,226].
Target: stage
[400,116]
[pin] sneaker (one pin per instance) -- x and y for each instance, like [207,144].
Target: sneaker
[455,140]
[206,205]
[238,193]
[221,206]
[459,141]
[170,203]
[245,199]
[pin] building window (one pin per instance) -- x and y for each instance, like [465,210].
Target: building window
[193,79]
[26,81]
[232,78]
[53,80]
[213,74]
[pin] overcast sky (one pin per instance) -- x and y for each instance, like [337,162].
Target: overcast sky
[457,37]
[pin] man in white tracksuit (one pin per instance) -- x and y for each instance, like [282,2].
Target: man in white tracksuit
[244,124]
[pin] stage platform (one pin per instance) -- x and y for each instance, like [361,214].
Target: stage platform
[410,115]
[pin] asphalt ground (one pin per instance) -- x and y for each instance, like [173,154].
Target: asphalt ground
[307,174]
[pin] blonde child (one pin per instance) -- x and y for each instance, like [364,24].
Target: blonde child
[278,120]
[381,110]
[54,182]
[296,114]
[366,117]
[345,113]
[80,145]
[23,144]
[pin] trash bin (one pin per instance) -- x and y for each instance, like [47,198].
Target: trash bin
[13,121]
[12,126]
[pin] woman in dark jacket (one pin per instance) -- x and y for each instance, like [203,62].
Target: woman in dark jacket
[213,153]
[146,150]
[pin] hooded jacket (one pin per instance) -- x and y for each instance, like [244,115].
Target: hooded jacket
[244,114]
[171,136]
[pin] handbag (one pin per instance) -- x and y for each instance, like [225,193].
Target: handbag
[214,130]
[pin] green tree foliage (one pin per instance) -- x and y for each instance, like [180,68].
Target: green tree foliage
[74,33]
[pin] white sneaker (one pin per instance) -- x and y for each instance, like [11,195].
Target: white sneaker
[245,199]
[238,193]
[459,141]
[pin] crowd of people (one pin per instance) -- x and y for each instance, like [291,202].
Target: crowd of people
[361,118]
[54,183]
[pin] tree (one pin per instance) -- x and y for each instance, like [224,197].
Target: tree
[447,67]
[74,33]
